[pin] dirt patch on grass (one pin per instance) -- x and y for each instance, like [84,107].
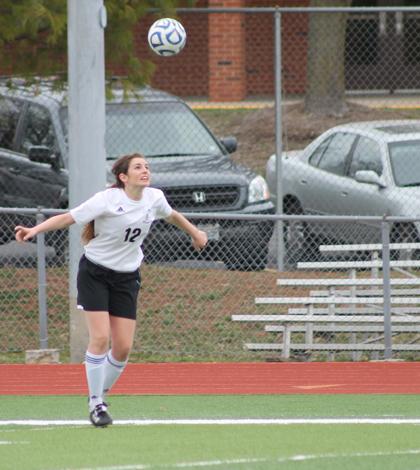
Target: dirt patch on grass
[183,314]
[255,128]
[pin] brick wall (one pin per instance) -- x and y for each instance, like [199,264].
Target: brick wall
[229,57]
[260,49]
[226,55]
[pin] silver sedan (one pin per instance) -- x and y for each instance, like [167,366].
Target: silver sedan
[363,168]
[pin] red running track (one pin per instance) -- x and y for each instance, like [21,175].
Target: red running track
[220,378]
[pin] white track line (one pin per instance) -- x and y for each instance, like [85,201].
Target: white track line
[208,463]
[6,443]
[220,422]
[233,462]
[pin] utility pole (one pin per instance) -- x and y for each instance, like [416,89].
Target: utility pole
[86,139]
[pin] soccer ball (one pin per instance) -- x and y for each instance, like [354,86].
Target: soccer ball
[167,37]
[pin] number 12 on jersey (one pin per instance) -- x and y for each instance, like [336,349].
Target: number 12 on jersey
[131,234]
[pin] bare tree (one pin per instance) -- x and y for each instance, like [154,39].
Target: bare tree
[325,72]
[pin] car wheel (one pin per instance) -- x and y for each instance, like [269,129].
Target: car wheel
[248,257]
[59,240]
[300,243]
[159,254]
[404,233]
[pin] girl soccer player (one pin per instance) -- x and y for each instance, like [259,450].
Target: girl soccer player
[116,221]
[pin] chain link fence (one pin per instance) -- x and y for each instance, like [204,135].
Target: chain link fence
[350,131]
[340,305]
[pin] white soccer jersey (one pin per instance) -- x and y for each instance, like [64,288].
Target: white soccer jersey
[121,224]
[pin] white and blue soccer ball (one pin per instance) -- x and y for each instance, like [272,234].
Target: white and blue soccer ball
[167,37]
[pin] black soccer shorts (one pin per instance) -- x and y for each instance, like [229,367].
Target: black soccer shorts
[103,289]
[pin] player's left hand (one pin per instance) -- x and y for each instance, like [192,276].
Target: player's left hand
[199,241]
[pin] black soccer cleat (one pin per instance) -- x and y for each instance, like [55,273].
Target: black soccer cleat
[99,416]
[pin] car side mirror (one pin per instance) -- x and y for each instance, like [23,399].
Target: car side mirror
[370,177]
[42,154]
[229,143]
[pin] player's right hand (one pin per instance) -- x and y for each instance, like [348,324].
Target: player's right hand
[22,234]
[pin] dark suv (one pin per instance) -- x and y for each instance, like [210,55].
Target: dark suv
[188,163]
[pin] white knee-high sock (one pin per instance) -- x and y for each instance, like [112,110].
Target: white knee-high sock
[112,371]
[94,365]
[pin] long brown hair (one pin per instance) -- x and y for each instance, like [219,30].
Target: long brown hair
[120,166]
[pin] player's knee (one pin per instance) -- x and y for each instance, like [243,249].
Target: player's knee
[121,352]
[99,343]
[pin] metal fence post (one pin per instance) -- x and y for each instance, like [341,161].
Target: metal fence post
[279,143]
[42,285]
[386,273]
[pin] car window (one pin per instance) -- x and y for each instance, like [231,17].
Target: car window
[335,155]
[38,130]
[9,117]
[319,152]
[366,156]
[154,129]
[405,162]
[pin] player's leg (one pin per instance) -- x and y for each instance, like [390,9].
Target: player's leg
[98,324]
[92,298]
[123,312]
[99,333]
[122,336]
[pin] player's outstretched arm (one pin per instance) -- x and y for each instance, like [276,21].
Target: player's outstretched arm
[199,238]
[57,222]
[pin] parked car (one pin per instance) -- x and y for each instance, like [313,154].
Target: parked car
[188,163]
[362,168]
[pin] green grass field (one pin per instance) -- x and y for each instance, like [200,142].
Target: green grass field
[393,443]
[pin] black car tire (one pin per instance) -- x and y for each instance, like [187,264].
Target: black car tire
[300,244]
[252,256]
[406,233]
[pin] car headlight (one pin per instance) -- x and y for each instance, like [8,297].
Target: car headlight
[258,190]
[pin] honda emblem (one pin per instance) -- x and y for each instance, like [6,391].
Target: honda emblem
[199,197]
